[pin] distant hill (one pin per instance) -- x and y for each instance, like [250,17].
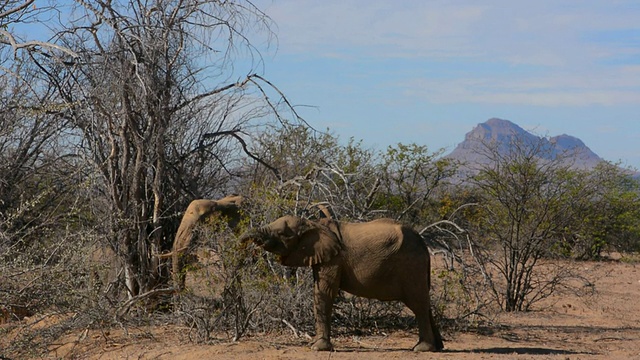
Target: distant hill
[503,133]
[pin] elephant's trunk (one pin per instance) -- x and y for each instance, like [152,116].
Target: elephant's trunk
[181,244]
[255,235]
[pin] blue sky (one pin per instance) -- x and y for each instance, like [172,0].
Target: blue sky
[428,71]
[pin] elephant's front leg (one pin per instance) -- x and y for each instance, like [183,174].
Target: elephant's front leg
[326,279]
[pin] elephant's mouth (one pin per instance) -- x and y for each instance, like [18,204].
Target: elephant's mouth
[274,246]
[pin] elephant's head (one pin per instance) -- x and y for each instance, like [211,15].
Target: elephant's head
[298,241]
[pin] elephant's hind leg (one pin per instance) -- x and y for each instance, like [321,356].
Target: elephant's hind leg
[322,344]
[436,332]
[429,338]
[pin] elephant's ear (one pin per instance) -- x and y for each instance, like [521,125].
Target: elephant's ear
[317,244]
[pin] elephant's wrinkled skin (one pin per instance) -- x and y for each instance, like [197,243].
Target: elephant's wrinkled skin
[381,259]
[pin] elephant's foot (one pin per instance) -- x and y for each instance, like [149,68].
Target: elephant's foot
[322,344]
[424,346]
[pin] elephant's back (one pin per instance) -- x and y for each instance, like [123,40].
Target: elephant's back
[381,235]
[380,256]
[384,242]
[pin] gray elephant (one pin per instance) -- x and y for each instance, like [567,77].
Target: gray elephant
[381,259]
[227,208]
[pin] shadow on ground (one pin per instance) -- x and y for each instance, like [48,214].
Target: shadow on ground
[519,351]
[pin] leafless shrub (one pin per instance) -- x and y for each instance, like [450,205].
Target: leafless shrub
[59,283]
[361,316]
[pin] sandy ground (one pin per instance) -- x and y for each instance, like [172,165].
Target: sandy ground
[605,326]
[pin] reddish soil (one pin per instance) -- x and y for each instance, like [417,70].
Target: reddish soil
[603,326]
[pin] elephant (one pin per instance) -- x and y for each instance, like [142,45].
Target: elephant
[381,259]
[227,208]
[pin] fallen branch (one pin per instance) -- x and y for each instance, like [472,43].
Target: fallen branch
[124,308]
[295,331]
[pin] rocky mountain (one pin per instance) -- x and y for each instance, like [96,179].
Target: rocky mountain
[504,133]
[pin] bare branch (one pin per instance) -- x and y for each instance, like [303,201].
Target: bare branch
[8,39]
[238,84]
[16,9]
